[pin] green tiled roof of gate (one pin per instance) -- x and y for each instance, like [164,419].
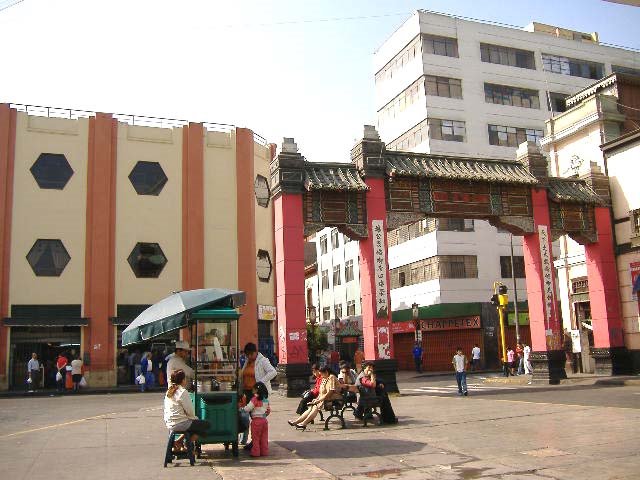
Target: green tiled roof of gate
[459,169]
[343,177]
[572,190]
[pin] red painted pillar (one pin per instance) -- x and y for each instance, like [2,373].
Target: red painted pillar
[374,276]
[8,118]
[546,332]
[99,292]
[604,298]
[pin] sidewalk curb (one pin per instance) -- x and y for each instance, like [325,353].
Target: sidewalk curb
[70,393]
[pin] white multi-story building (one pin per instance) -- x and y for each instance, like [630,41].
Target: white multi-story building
[446,85]
[333,292]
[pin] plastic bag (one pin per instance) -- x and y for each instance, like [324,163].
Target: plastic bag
[58,377]
[82,383]
[140,379]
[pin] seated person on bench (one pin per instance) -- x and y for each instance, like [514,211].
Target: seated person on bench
[309,395]
[329,390]
[347,378]
[368,380]
[179,415]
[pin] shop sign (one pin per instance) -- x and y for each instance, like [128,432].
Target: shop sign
[523,318]
[634,267]
[458,323]
[266,312]
[380,269]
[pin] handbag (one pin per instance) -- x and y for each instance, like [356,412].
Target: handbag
[307,395]
[58,377]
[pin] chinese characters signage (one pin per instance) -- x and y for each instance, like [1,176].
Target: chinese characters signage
[380,269]
[547,277]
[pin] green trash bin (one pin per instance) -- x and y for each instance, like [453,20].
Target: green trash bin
[220,409]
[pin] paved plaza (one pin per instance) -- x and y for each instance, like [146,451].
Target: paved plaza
[501,431]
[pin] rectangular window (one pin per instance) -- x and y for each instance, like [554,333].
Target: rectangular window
[402,59]
[572,66]
[336,275]
[556,102]
[512,57]
[458,266]
[627,70]
[402,279]
[337,311]
[323,244]
[443,86]
[505,266]
[348,271]
[335,242]
[449,130]
[513,136]
[326,313]
[635,222]
[455,225]
[404,100]
[325,279]
[436,45]
[516,97]
[351,308]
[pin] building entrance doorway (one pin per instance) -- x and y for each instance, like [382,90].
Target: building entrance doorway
[47,343]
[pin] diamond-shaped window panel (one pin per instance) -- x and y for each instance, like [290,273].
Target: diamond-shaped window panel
[148,178]
[48,258]
[51,171]
[263,266]
[147,260]
[262,191]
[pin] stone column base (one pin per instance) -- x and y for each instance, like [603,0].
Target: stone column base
[548,366]
[100,378]
[612,361]
[293,378]
[386,371]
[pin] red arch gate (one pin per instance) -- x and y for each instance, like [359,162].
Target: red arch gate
[381,190]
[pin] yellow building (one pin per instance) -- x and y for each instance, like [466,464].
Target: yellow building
[102,215]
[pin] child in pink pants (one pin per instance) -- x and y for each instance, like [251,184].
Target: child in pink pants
[258,408]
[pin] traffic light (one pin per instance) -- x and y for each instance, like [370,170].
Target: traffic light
[503,298]
[494,300]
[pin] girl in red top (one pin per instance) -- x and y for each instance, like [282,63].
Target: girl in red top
[258,407]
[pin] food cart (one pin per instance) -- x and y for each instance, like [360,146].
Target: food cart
[214,346]
[210,319]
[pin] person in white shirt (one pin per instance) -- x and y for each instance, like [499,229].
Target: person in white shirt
[475,358]
[179,414]
[460,366]
[178,361]
[76,373]
[527,363]
[33,369]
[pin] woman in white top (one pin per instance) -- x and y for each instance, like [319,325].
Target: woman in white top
[179,414]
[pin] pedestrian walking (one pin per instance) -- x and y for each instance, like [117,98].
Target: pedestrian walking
[510,361]
[418,356]
[520,359]
[146,366]
[527,363]
[475,358]
[76,373]
[33,370]
[459,363]
[61,365]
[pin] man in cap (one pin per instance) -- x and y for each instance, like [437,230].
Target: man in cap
[178,361]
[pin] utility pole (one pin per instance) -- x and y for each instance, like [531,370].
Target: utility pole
[515,292]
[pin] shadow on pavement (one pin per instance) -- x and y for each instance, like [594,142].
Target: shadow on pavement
[347,448]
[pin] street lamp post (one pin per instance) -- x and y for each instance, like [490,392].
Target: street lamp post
[415,314]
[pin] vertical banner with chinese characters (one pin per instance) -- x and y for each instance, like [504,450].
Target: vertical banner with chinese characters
[380,259]
[553,339]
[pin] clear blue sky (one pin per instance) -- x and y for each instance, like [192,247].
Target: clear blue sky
[282,68]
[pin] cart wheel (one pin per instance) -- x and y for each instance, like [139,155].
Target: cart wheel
[234,449]
[226,446]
